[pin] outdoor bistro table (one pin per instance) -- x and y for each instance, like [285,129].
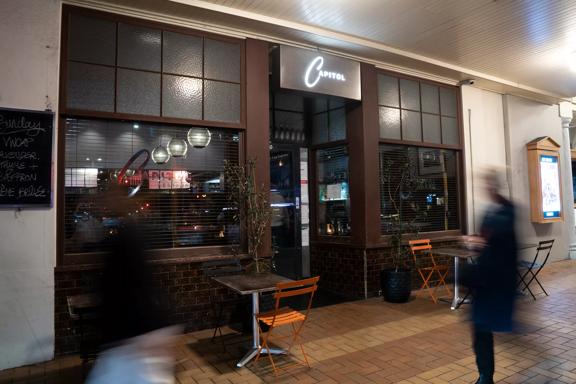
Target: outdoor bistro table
[464,253]
[254,284]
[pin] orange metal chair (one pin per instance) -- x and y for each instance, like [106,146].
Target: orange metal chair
[287,316]
[422,253]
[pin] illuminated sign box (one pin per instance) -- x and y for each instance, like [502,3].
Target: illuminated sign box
[545,180]
[318,72]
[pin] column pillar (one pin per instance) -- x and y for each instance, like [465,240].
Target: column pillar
[566,116]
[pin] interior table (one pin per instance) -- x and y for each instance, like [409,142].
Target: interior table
[459,253]
[253,284]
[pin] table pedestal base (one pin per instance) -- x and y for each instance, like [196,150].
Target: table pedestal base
[253,352]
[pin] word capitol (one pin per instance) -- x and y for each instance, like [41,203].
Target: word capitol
[316,66]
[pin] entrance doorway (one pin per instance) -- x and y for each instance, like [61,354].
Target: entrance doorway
[289,203]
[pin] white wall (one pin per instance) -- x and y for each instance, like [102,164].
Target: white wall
[29,55]
[526,120]
[484,144]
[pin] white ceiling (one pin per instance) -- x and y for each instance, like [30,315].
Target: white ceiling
[517,46]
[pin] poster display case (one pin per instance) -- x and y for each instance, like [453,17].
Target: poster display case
[545,180]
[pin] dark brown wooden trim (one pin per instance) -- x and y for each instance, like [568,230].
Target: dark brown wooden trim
[66,8]
[147,118]
[419,144]
[257,120]
[330,144]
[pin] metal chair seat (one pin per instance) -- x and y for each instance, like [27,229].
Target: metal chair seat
[283,316]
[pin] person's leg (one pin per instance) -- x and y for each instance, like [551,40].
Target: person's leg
[484,350]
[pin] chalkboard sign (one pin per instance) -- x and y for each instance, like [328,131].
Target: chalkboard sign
[25,158]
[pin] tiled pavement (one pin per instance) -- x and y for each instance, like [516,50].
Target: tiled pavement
[375,342]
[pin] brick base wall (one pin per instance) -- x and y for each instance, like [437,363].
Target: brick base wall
[189,294]
[342,270]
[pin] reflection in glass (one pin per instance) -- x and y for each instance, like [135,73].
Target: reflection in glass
[182,202]
[333,216]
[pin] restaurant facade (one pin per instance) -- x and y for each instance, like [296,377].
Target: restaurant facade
[160,106]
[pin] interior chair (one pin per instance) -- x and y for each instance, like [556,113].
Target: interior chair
[217,268]
[433,275]
[528,270]
[286,316]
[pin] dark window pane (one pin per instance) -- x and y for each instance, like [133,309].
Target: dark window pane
[388,91]
[450,134]
[221,101]
[181,203]
[337,118]
[448,104]
[320,128]
[289,102]
[431,128]
[333,215]
[419,189]
[222,60]
[182,54]
[139,47]
[138,92]
[90,87]
[182,97]
[430,102]
[390,123]
[411,126]
[409,94]
[92,40]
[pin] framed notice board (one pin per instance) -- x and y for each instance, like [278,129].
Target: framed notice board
[545,180]
[25,158]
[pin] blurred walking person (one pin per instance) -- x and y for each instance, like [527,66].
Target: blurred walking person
[136,343]
[494,277]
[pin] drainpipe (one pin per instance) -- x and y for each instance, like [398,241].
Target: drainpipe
[565,110]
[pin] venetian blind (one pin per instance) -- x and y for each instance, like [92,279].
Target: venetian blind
[181,203]
[418,189]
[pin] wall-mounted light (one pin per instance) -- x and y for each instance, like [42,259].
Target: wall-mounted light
[160,155]
[177,147]
[199,137]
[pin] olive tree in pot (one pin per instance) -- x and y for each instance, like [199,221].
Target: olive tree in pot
[252,210]
[401,181]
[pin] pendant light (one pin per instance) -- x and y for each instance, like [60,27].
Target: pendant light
[199,137]
[160,155]
[177,147]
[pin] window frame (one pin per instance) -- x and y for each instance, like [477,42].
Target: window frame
[460,155]
[197,253]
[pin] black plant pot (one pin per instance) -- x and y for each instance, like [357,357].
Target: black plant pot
[396,285]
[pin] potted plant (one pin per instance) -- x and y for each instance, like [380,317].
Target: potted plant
[401,181]
[251,209]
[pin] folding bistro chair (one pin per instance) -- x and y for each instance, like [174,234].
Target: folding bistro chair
[530,266]
[217,268]
[422,254]
[287,316]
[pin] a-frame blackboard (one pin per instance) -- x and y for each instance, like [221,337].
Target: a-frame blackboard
[25,158]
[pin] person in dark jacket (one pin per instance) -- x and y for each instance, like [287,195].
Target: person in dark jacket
[495,283]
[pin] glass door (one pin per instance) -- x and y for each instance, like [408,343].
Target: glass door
[286,203]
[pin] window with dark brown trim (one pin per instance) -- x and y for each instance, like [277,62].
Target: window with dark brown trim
[117,66]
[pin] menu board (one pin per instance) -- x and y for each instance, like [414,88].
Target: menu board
[550,184]
[25,158]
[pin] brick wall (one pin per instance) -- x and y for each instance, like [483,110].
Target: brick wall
[341,269]
[189,294]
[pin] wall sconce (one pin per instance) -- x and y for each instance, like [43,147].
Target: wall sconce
[199,137]
[177,147]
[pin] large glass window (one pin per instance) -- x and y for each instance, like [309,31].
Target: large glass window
[122,68]
[181,201]
[418,189]
[333,216]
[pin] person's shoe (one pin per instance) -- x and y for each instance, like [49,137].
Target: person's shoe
[483,379]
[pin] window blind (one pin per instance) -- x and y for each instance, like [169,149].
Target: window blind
[181,203]
[418,189]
